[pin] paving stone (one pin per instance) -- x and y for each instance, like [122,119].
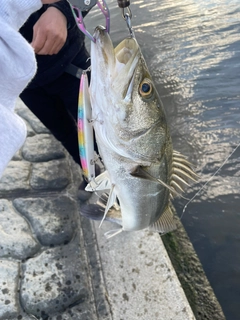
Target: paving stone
[9,273]
[26,114]
[17,156]
[16,177]
[16,240]
[52,220]
[42,147]
[30,131]
[54,280]
[52,175]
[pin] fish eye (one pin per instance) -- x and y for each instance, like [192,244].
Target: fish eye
[146,88]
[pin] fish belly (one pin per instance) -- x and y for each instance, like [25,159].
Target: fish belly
[142,201]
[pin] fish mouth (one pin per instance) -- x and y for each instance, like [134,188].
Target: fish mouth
[127,55]
[121,60]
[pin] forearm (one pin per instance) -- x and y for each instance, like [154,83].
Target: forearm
[66,10]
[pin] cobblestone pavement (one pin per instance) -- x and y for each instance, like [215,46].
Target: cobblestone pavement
[49,265]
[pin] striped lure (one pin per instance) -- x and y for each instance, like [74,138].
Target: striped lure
[85,130]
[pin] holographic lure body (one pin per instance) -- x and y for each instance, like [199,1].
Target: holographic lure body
[85,130]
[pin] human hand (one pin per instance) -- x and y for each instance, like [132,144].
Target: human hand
[49,32]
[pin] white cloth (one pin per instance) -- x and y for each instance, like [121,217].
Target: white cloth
[17,67]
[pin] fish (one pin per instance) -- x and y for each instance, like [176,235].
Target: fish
[143,172]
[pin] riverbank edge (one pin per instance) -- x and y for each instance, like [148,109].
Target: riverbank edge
[191,275]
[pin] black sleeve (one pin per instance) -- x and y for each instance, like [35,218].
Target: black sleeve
[65,8]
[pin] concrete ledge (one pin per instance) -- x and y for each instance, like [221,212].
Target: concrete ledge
[191,275]
[140,280]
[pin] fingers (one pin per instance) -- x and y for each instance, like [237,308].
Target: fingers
[49,32]
[50,47]
[45,42]
[39,39]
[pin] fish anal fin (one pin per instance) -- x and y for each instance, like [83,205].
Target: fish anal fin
[166,222]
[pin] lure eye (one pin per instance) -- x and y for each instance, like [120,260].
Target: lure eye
[146,88]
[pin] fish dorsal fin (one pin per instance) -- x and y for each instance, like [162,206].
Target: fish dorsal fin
[181,174]
[166,222]
[101,182]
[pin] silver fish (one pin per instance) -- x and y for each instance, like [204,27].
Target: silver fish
[142,172]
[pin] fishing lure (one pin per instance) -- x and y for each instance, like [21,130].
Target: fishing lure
[85,130]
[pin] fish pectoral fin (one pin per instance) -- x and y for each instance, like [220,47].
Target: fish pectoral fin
[101,182]
[140,172]
[166,222]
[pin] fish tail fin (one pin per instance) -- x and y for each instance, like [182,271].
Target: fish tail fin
[166,222]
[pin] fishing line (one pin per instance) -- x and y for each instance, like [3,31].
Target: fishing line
[207,182]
